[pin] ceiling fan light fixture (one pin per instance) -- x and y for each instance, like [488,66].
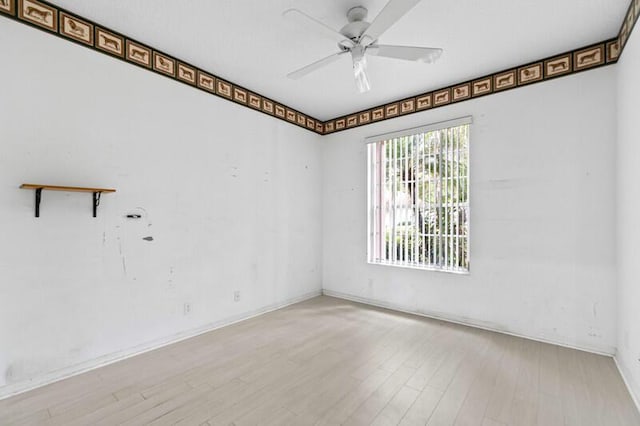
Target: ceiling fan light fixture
[360,69]
[362,82]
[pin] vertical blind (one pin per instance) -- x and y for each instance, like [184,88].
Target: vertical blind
[419,197]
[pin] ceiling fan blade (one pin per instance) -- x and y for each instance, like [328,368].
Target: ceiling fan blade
[314,66]
[407,53]
[307,21]
[390,14]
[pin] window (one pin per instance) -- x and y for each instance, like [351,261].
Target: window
[419,197]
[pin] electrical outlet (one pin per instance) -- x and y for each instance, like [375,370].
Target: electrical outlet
[187,308]
[236,296]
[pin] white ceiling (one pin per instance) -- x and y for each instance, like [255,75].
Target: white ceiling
[251,44]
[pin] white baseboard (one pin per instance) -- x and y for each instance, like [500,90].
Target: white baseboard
[25,386]
[609,352]
[629,382]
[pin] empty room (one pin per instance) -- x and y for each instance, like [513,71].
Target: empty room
[305,212]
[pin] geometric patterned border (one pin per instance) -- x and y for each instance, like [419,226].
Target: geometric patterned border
[568,63]
[47,17]
[63,23]
[590,57]
[629,23]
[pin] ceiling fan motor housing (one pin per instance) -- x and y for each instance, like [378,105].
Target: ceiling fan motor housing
[358,13]
[357,24]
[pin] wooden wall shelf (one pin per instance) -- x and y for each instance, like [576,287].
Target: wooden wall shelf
[97,192]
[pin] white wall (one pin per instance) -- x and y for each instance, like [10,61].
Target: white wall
[238,201]
[230,196]
[542,216]
[628,232]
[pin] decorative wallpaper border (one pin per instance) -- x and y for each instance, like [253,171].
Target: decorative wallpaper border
[631,17]
[589,57]
[572,62]
[47,17]
[50,18]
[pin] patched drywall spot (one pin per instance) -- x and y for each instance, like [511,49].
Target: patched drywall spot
[593,332]
[170,280]
[21,370]
[148,238]
[145,215]
[8,374]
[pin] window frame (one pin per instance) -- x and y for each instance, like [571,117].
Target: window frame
[371,252]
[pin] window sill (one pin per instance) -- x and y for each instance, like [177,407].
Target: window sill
[420,268]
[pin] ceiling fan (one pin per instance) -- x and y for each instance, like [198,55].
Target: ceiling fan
[360,38]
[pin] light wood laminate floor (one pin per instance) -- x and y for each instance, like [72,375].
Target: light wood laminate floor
[327,362]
